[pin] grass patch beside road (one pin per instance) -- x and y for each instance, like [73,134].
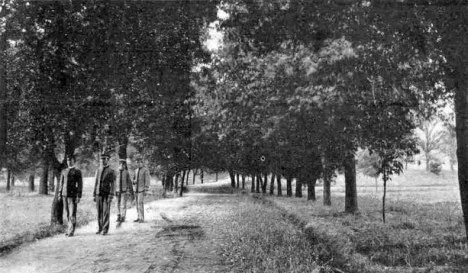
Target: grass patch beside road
[261,238]
[416,237]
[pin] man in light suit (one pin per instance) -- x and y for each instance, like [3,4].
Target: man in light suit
[70,189]
[141,181]
[104,191]
[124,190]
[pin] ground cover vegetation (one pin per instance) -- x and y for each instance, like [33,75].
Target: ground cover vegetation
[424,237]
[423,231]
[260,238]
[294,91]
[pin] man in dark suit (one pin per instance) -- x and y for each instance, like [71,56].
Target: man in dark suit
[104,191]
[70,189]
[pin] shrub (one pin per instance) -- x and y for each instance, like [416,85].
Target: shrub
[435,166]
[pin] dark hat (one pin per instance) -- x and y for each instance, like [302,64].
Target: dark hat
[123,160]
[105,154]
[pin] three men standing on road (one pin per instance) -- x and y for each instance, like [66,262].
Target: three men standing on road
[124,190]
[70,189]
[141,181]
[104,191]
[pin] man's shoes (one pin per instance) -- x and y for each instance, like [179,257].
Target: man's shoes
[118,219]
[137,220]
[104,233]
[70,235]
[99,232]
[141,221]
[66,235]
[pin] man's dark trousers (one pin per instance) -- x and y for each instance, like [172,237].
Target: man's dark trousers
[103,208]
[70,208]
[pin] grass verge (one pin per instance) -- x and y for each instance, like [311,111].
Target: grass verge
[261,238]
[416,237]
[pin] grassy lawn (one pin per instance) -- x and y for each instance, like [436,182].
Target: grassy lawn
[423,232]
[414,184]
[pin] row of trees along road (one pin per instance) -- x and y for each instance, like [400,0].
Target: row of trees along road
[305,83]
[296,88]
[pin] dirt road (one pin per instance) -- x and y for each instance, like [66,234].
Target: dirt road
[179,235]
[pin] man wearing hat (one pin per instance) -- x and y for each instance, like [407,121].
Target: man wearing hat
[70,189]
[141,181]
[104,191]
[124,190]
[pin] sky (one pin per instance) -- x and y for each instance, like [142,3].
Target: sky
[216,37]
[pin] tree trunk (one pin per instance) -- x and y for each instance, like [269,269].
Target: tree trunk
[57,206]
[57,211]
[163,181]
[258,184]
[176,182]
[184,172]
[298,187]
[461,111]
[182,178]
[195,171]
[243,181]
[427,161]
[289,186]
[272,184]
[233,178]
[201,175]
[57,203]
[31,182]
[216,176]
[12,180]
[181,191]
[51,178]
[43,181]
[170,182]
[3,94]
[252,185]
[238,182]
[327,191]
[327,177]
[187,177]
[351,204]
[265,183]
[123,143]
[311,189]
[8,187]
[384,195]
[278,185]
